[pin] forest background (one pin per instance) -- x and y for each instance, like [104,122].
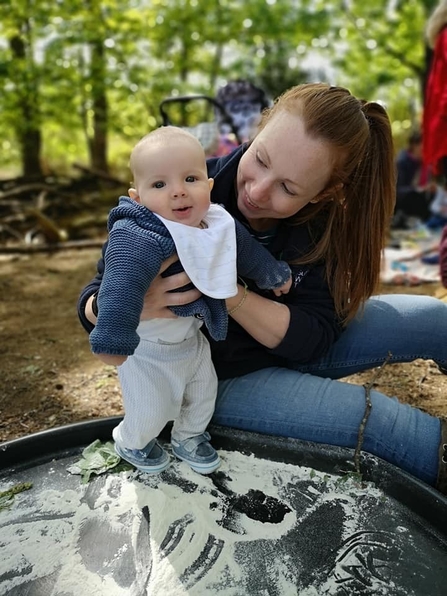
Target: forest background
[80,82]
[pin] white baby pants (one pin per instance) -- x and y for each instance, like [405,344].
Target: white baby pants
[162,382]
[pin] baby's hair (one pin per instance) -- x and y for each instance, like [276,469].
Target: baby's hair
[165,135]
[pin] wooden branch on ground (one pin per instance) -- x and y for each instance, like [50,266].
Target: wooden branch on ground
[99,174]
[368,406]
[26,188]
[53,208]
[36,248]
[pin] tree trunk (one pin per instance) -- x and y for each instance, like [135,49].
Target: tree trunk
[98,148]
[27,93]
[31,144]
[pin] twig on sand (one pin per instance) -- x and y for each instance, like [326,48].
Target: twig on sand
[368,406]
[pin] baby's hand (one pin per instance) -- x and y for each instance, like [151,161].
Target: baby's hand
[284,289]
[112,359]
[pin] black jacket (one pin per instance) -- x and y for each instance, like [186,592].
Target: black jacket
[313,323]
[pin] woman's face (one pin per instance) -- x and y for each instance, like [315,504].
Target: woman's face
[282,171]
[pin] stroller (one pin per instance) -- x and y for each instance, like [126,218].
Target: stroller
[225,122]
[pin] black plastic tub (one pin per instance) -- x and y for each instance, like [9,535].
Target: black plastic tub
[280,517]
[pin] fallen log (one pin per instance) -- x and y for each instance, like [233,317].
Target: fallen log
[35,248]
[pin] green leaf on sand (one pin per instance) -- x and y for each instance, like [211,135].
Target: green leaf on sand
[97,458]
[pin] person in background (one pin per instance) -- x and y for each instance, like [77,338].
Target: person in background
[316,185]
[443,257]
[413,196]
[164,365]
[435,113]
[242,103]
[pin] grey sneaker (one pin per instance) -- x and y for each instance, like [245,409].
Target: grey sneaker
[152,459]
[198,453]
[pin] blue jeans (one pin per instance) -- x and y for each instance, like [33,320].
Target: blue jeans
[309,404]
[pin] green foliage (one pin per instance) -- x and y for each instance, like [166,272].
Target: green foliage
[98,458]
[382,52]
[58,58]
[7,496]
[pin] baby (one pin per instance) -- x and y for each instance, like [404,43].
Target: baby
[164,365]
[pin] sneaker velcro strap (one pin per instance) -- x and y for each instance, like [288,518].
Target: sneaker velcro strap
[191,444]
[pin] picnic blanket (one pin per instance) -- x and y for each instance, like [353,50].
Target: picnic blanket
[404,261]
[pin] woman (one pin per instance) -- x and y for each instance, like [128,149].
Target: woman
[317,186]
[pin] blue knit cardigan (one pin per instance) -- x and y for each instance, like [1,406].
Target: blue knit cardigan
[138,244]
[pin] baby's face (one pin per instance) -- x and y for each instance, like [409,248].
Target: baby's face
[172,181]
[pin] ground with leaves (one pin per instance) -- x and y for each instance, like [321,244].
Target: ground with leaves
[49,377]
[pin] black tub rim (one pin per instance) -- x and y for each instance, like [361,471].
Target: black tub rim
[58,442]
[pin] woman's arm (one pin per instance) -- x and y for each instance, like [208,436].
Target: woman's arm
[85,300]
[300,328]
[88,312]
[265,320]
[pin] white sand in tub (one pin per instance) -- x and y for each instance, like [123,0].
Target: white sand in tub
[172,533]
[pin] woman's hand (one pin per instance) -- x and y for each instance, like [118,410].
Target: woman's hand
[158,297]
[112,359]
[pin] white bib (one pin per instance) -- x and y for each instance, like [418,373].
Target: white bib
[208,255]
